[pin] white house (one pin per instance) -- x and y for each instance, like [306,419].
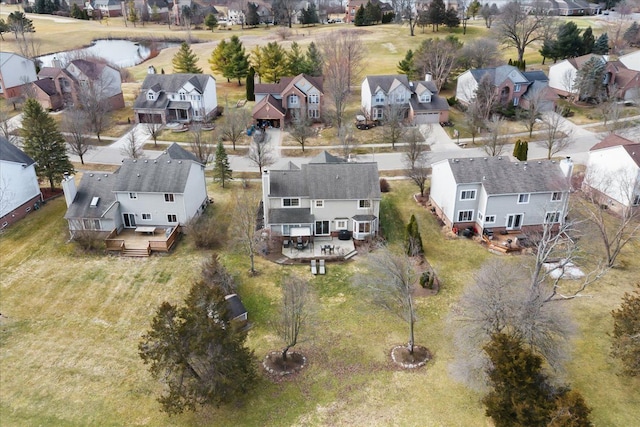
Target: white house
[19,188]
[494,193]
[562,76]
[183,98]
[15,72]
[631,60]
[613,172]
[419,98]
[165,193]
[322,198]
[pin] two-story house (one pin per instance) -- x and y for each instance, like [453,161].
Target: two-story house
[508,81]
[563,75]
[613,173]
[19,188]
[494,193]
[59,87]
[419,99]
[16,73]
[165,192]
[293,97]
[322,198]
[354,5]
[166,98]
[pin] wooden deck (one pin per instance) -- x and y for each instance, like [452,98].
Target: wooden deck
[342,249]
[506,243]
[130,243]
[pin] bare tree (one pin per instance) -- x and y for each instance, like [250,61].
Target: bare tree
[495,142]
[622,227]
[244,226]
[536,104]
[4,125]
[500,301]
[344,55]
[394,129]
[416,159]
[132,148]
[557,136]
[234,125]
[480,53]
[294,312]
[486,96]
[519,27]
[610,110]
[260,151]
[301,131]
[93,98]
[437,57]
[153,129]
[201,144]
[473,119]
[348,142]
[75,123]
[389,284]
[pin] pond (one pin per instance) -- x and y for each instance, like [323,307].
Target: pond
[122,53]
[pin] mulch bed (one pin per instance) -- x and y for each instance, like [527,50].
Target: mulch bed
[48,194]
[401,356]
[277,367]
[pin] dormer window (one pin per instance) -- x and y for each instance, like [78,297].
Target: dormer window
[151,96]
[425,97]
[379,97]
[183,96]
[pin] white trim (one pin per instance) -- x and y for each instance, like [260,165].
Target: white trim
[367,202]
[291,202]
[525,196]
[472,197]
[466,211]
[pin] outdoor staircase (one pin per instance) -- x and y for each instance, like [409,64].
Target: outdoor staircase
[350,254]
[139,253]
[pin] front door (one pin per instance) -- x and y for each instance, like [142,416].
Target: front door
[514,221]
[129,220]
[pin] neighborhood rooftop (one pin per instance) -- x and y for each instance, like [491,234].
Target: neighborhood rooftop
[92,185]
[498,175]
[11,153]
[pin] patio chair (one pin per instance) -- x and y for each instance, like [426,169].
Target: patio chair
[322,270]
[314,269]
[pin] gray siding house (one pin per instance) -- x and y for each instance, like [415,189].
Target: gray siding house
[498,194]
[322,198]
[165,192]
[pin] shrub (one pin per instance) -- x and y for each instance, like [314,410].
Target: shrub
[206,232]
[89,241]
[384,186]
[452,101]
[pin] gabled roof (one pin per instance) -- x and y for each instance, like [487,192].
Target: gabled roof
[93,184]
[535,76]
[388,82]
[285,82]
[500,74]
[270,106]
[49,72]
[165,174]
[91,69]
[498,175]
[327,177]
[611,140]
[631,60]
[633,150]
[48,86]
[173,82]
[579,61]
[437,103]
[11,153]
[177,152]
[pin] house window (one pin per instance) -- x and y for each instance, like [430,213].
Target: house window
[364,204]
[425,97]
[489,219]
[516,87]
[480,215]
[523,198]
[183,96]
[319,203]
[364,227]
[195,97]
[133,195]
[552,217]
[399,98]
[91,224]
[314,98]
[151,96]
[468,195]
[379,98]
[556,196]
[322,227]
[341,224]
[314,114]
[293,100]
[172,218]
[28,209]
[636,200]
[516,101]
[168,197]
[4,224]
[465,215]
[146,216]
[290,203]
[377,114]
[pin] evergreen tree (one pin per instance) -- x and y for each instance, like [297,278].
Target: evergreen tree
[219,59]
[310,15]
[406,66]
[589,80]
[413,242]
[437,13]
[588,41]
[273,62]
[372,13]
[221,170]
[548,50]
[520,150]
[250,89]
[44,143]
[211,22]
[569,42]
[601,47]
[253,18]
[474,9]
[185,61]
[632,34]
[359,19]
[19,24]
[314,60]
[296,62]
[238,65]
[197,352]
[626,333]
[451,18]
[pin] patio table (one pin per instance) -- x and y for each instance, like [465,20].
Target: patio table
[143,230]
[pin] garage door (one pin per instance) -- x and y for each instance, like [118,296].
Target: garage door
[426,118]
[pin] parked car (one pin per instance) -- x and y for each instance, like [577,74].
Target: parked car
[363,123]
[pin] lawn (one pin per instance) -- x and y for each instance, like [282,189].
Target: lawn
[72,322]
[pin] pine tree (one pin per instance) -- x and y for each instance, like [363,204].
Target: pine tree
[601,47]
[359,19]
[437,13]
[219,59]
[185,61]
[569,42]
[250,88]
[238,65]
[451,19]
[273,62]
[314,60]
[589,80]
[406,66]
[588,41]
[632,34]
[296,62]
[626,333]
[44,143]
[221,170]
[196,351]
[211,22]
[253,18]
[413,243]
